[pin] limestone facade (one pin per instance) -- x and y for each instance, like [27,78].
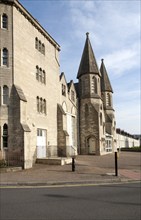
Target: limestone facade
[41,115]
[31,75]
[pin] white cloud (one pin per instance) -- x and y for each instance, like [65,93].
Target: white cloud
[128,118]
[121,61]
[107,21]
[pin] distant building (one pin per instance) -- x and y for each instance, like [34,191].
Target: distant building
[126,140]
[138,137]
[41,115]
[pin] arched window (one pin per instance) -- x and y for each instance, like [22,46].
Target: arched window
[4,21]
[5,57]
[37,72]
[40,75]
[108,99]
[38,104]
[43,49]
[5,135]
[44,77]
[36,43]
[63,90]
[41,105]
[94,85]
[40,46]
[5,95]
[44,106]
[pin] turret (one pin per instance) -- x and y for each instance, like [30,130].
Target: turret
[88,73]
[106,88]
[91,117]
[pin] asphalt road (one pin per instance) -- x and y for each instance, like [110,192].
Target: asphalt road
[103,202]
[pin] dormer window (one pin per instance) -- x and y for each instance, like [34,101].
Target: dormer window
[5,21]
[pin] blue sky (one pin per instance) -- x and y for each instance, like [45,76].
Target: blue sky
[114,31]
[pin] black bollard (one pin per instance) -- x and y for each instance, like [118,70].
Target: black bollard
[73,164]
[116,165]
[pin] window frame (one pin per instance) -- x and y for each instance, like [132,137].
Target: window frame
[5,57]
[40,46]
[36,43]
[4,21]
[41,105]
[63,89]
[43,49]
[43,77]
[94,85]
[5,95]
[72,95]
[5,136]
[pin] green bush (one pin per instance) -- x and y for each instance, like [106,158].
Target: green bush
[132,149]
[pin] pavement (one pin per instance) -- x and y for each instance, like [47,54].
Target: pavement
[89,169]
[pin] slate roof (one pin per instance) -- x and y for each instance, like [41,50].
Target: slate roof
[77,89]
[61,109]
[88,62]
[105,82]
[20,93]
[25,127]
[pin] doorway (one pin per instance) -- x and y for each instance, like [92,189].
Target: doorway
[92,145]
[41,143]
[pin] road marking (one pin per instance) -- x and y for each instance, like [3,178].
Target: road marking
[66,185]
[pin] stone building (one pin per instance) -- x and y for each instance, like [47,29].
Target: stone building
[126,140]
[37,106]
[41,115]
[97,126]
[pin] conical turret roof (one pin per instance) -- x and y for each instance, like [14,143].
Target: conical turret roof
[88,62]
[105,82]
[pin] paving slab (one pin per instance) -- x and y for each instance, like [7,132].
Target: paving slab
[88,169]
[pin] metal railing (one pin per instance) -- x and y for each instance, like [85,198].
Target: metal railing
[12,159]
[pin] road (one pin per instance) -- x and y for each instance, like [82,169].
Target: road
[103,202]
